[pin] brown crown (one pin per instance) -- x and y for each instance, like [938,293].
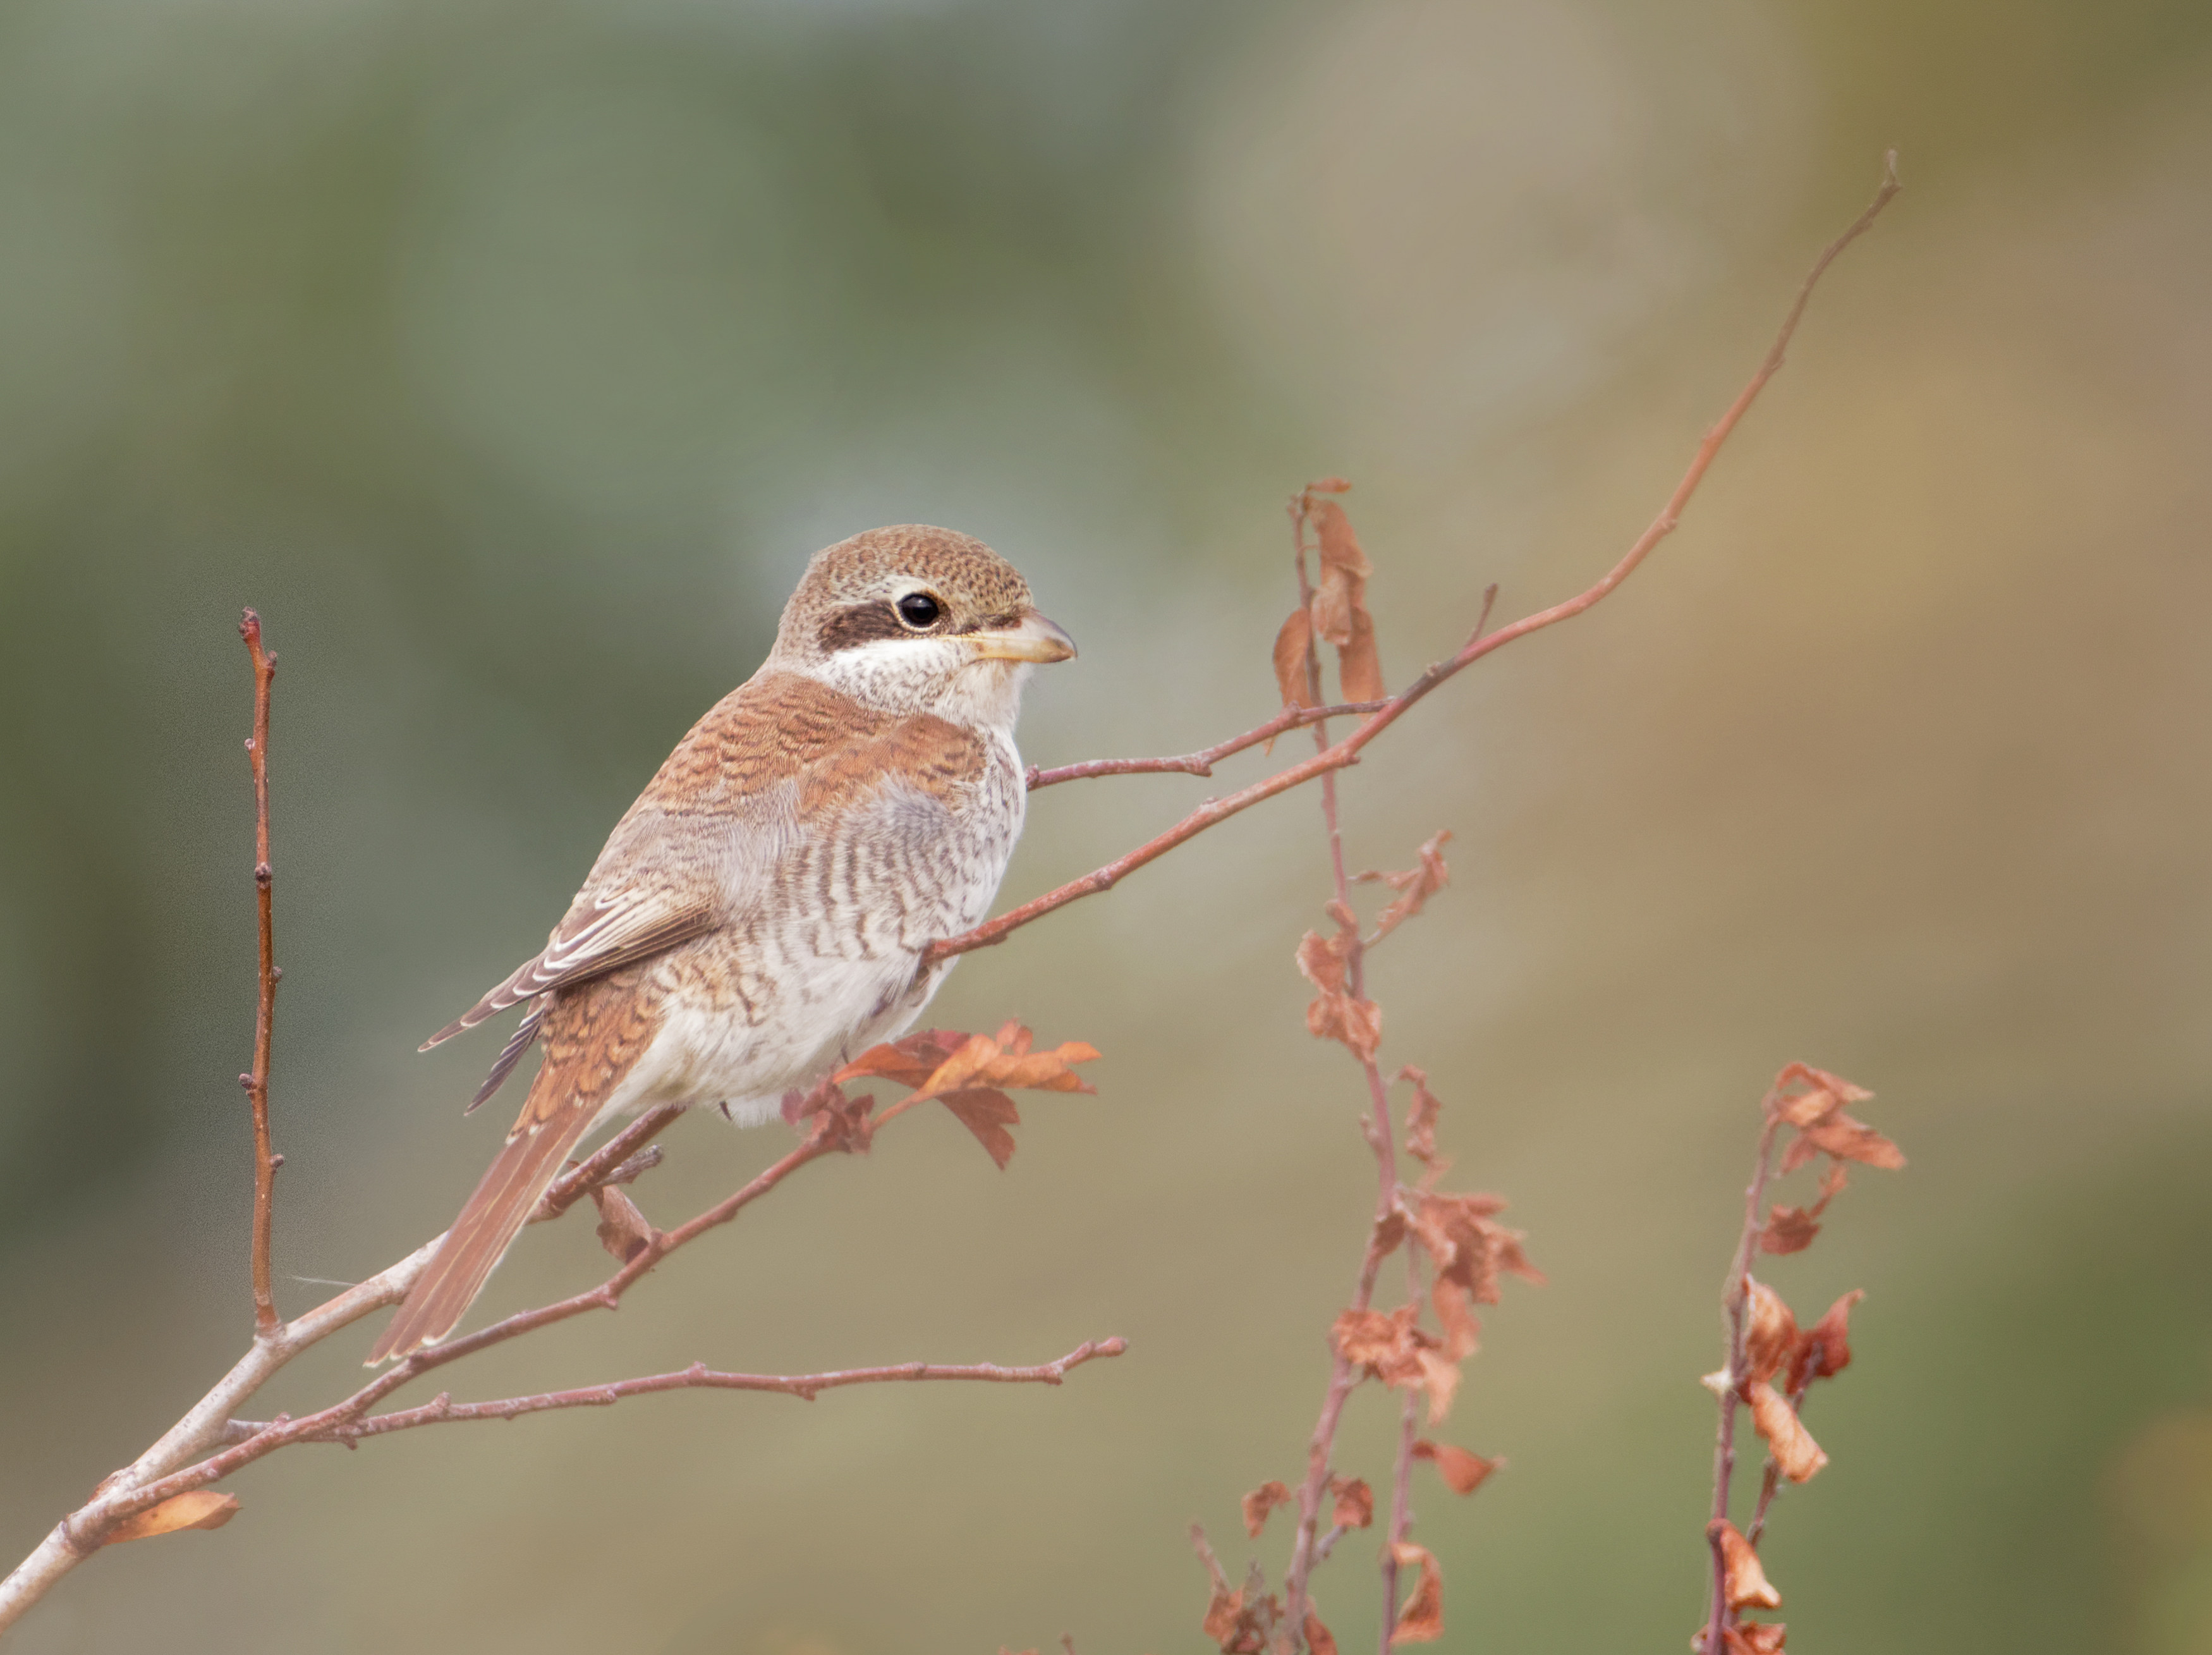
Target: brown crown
[846,595]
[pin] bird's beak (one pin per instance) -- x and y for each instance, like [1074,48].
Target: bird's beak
[1032,638]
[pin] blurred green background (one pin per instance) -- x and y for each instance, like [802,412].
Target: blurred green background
[511,359]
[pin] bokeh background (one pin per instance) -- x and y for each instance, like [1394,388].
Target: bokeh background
[511,359]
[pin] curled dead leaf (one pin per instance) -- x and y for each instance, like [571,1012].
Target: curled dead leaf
[1746,1585]
[1422,1618]
[1335,1014]
[1463,1472]
[1770,1333]
[1355,1502]
[1340,603]
[1318,1641]
[1293,657]
[985,1112]
[1460,1231]
[201,1508]
[623,1230]
[1823,1128]
[1455,1309]
[1794,1450]
[1420,1115]
[1262,1501]
[1414,886]
[1395,1349]
[1824,1350]
[1791,1229]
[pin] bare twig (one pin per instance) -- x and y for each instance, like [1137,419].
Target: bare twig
[1346,751]
[1202,762]
[264,1014]
[442,1409]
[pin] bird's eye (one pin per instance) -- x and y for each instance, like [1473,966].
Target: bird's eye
[919,610]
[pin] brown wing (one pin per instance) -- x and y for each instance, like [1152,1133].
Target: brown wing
[600,934]
[593,1036]
[701,837]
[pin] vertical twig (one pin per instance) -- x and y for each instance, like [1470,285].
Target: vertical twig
[265,1322]
[1734,1298]
[1401,1473]
[1343,1377]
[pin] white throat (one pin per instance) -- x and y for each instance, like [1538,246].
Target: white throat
[914,676]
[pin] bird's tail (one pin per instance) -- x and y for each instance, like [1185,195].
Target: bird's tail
[570,1089]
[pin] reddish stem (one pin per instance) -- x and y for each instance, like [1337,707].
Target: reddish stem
[442,1409]
[1345,752]
[1735,1299]
[1202,762]
[266,1320]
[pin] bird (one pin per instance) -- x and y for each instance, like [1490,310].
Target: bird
[762,913]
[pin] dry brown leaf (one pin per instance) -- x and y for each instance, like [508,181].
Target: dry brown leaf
[1222,1614]
[1342,586]
[1440,1380]
[202,1508]
[1791,1229]
[1340,604]
[1420,1115]
[1460,1233]
[987,1113]
[1755,1638]
[1770,1332]
[1788,1230]
[1822,1126]
[1318,1641]
[1747,1586]
[1422,1619]
[1294,655]
[1414,886]
[1355,1502]
[910,1061]
[1262,1501]
[1455,1310]
[1359,664]
[623,1230]
[1835,1086]
[1787,1439]
[1463,1472]
[1335,1014]
[1848,1140]
[1824,1350]
[1328,485]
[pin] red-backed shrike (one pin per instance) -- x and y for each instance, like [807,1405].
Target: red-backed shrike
[759,916]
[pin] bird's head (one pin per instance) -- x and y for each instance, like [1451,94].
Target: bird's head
[914,619]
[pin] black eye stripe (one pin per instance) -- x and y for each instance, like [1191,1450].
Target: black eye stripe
[862,624]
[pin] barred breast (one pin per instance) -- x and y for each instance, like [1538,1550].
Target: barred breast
[826,959]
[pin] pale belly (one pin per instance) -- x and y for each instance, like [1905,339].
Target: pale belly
[827,963]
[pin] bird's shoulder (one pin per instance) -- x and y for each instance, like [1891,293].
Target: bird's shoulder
[782,727]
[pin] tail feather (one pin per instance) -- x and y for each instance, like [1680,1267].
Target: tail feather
[488,1225]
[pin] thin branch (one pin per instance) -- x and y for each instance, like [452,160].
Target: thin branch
[1735,1299]
[1346,751]
[1202,762]
[1343,1377]
[619,1160]
[442,1409]
[265,1319]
